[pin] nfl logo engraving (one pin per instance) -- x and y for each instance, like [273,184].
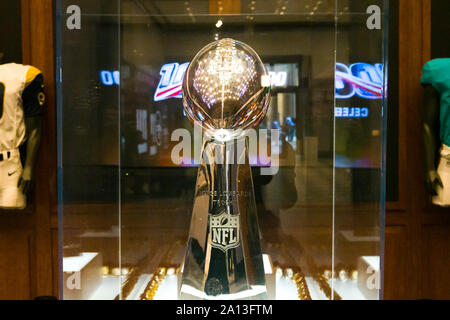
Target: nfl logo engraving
[224,230]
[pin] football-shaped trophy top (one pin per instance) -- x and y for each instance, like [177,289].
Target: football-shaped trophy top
[226,89]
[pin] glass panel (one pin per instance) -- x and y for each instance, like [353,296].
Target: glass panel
[88,127]
[129,156]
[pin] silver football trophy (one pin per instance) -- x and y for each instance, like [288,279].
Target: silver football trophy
[226,89]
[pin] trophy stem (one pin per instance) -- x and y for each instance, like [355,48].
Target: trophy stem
[223,258]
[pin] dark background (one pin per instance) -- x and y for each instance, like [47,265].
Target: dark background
[440,29]
[10,35]
[392,121]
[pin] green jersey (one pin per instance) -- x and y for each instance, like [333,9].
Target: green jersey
[437,73]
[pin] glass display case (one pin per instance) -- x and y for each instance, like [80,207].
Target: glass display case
[127,186]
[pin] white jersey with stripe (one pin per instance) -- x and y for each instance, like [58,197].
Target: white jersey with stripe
[14,78]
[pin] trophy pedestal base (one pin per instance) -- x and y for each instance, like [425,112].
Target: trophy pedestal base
[259,292]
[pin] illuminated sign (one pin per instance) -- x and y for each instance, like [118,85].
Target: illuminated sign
[171,81]
[360,79]
[346,112]
[278,79]
[109,78]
